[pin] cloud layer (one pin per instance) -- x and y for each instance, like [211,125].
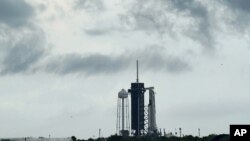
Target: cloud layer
[15,13]
[152,58]
[24,49]
[186,18]
[22,54]
[48,48]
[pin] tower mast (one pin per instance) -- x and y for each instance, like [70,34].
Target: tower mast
[137,71]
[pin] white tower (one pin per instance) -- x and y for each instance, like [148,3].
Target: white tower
[123,124]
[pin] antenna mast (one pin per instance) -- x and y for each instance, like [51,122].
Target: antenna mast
[137,70]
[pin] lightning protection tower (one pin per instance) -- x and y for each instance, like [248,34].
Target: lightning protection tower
[123,124]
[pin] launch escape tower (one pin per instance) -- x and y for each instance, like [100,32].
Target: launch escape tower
[143,117]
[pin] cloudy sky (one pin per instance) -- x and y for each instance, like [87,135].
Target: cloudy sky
[62,64]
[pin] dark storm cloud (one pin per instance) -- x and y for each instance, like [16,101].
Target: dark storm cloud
[104,64]
[23,49]
[202,30]
[241,13]
[156,58]
[21,52]
[22,42]
[91,64]
[192,20]
[243,5]
[148,16]
[154,16]
[15,13]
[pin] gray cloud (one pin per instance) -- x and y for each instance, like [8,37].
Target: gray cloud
[22,51]
[15,13]
[151,58]
[89,5]
[25,52]
[172,17]
[243,5]
[97,32]
[91,64]
[156,16]
[22,42]
[201,31]
[240,10]
[148,16]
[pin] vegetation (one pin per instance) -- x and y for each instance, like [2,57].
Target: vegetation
[222,137]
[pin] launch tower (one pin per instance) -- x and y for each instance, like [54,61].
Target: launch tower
[143,117]
[137,91]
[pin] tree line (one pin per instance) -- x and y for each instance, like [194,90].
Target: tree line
[222,137]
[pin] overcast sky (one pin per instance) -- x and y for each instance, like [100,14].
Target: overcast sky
[62,64]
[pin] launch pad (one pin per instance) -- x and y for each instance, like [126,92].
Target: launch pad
[143,117]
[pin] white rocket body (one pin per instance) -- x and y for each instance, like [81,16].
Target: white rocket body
[152,127]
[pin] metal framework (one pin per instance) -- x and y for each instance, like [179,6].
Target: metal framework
[143,117]
[123,122]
